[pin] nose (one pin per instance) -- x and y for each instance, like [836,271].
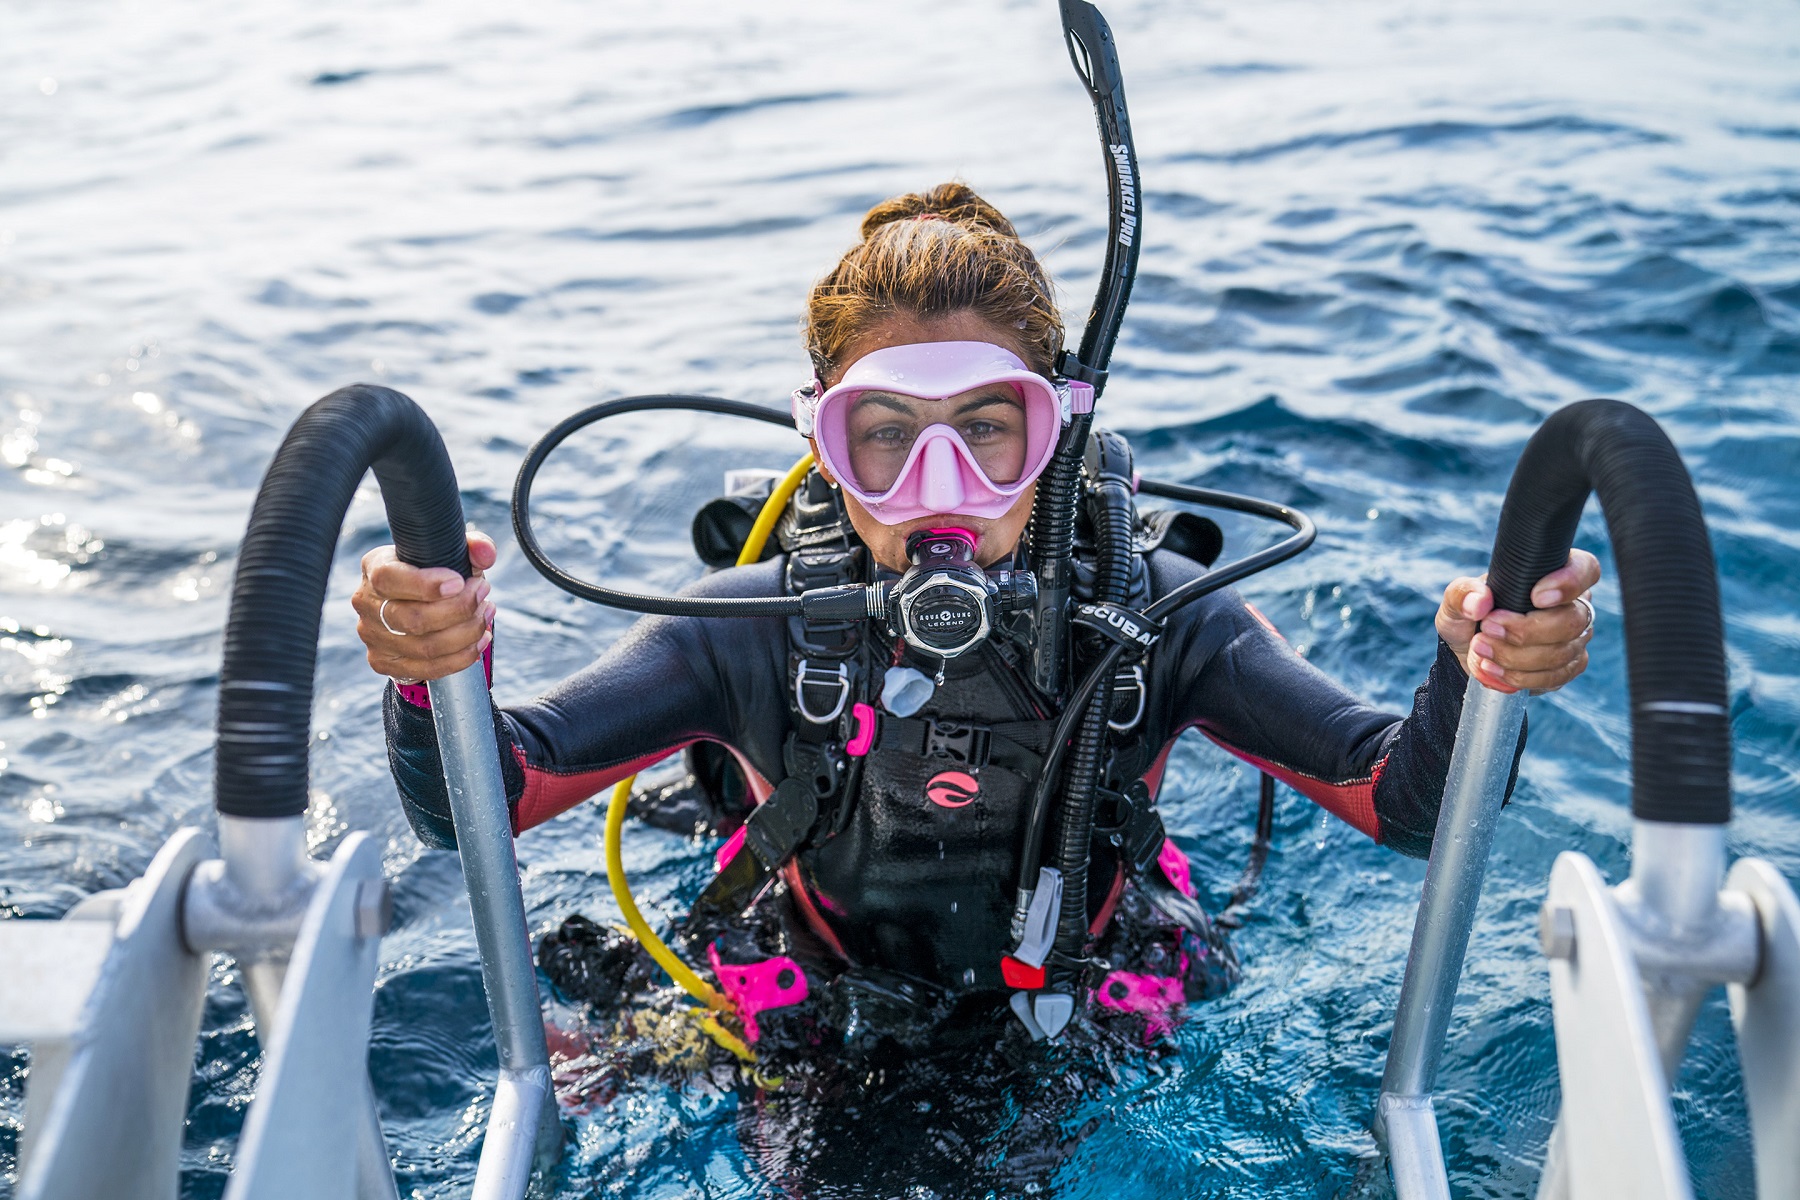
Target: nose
[940,476]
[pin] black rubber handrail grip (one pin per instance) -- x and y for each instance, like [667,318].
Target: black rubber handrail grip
[1674,634]
[272,632]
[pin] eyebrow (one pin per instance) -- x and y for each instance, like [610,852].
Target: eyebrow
[969,406]
[899,403]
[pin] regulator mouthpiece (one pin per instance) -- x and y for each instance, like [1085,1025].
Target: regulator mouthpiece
[946,605]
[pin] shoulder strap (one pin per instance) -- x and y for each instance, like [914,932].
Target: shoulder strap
[827,679]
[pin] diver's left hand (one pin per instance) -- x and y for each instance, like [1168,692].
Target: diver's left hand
[1540,650]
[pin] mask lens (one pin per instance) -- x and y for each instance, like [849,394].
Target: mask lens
[881,427]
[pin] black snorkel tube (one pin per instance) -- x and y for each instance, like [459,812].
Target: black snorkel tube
[1091,49]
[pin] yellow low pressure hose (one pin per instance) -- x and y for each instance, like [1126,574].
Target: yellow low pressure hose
[685,976]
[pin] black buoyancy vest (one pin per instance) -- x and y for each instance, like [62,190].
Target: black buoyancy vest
[920,878]
[911,853]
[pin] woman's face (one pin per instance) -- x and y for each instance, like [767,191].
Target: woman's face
[991,421]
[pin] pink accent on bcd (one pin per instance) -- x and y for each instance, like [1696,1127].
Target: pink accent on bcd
[1174,866]
[1156,998]
[724,854]
[864,716]
[952,789]
[758,987]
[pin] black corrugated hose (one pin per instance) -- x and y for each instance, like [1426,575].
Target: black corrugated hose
[1674,634]
[272,632]
[1109,507]
[1052,553]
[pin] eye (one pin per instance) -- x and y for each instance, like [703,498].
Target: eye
[986,429]
[885,435]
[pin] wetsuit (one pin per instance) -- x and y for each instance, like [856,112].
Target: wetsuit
[920,880]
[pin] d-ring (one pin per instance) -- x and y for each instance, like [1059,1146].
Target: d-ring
[381,615]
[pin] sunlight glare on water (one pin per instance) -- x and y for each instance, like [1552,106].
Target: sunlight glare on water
[1381,241]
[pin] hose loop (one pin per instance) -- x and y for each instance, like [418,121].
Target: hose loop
[1674,631]
[278,589]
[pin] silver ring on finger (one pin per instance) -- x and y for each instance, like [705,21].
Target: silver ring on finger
[1589,605]
[381,615]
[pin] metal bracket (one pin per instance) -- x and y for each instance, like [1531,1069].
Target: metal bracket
[305,1116]
[1618,1136]
[132,1053]
[802,680]
[1766,1012]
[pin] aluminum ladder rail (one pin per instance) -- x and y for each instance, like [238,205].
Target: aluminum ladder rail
[1630,965]
[109,998]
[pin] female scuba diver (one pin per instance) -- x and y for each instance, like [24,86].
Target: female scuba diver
[880,886]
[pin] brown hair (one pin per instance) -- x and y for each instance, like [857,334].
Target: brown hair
[931,255]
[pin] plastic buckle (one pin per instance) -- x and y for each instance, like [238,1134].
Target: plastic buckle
[1134,680]
[960,743]
[807,676]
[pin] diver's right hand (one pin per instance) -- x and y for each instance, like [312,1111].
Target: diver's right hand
[424,623]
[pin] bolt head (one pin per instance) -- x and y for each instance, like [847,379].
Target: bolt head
[374,908]
[1556,932]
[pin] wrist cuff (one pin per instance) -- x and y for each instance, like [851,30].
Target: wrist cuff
[419,695]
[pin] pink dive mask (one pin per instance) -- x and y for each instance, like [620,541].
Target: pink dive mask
[958,428]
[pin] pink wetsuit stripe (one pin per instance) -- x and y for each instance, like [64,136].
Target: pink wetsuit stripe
[1352,801]
[548,793]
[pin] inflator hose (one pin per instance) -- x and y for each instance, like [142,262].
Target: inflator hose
[1110,510]
[1674,634]
[272,631]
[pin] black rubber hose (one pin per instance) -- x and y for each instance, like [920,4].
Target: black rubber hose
[1110,510]
[1187,593]
[272,631]
[672,606]
[1674,633]
[1052,551]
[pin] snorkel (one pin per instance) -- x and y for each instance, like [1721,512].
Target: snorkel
[1091,49]
[1050,936]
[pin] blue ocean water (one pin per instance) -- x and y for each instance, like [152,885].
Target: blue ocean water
[1381,242]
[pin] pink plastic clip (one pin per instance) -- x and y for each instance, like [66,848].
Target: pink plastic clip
[1174,866]
[864,716]
[1156,998]
[724,854]
[1081,396]
[757,987]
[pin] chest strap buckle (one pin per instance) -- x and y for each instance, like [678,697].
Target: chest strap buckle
[807,675]
[968,744]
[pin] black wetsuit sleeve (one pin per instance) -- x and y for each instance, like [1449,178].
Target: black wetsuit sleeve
[1229,673]
[665,685]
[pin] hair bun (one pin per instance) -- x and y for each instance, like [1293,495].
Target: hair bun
[956,203]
